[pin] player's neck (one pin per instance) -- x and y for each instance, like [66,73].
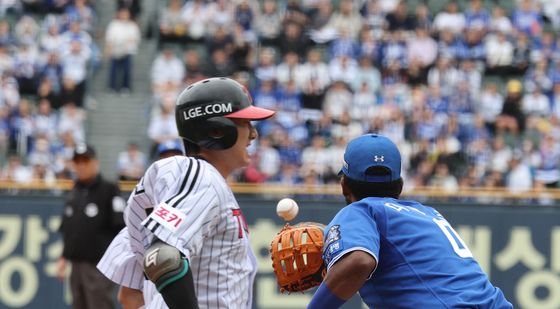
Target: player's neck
[220,163]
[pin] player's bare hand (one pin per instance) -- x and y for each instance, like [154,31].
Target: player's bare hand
[130,298]
[61,269]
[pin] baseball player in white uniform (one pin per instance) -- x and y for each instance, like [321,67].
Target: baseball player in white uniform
[185,244]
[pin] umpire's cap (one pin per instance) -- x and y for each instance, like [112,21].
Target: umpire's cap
[371,150]
[85,151]
[207,106]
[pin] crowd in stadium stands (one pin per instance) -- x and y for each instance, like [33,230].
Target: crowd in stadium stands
[46,54]
[470,93]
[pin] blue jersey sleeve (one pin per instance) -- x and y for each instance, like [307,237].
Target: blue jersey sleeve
[353,228]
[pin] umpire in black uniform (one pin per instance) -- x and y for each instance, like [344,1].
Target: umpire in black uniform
[93,215]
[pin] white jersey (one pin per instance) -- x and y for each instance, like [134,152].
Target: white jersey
[186,203]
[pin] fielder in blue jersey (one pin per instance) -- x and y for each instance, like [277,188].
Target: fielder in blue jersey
[395,253]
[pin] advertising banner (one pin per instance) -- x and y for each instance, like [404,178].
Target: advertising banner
[517,246]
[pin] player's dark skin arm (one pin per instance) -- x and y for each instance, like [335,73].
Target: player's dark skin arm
[349,273]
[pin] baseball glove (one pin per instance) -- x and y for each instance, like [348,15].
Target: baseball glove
[296,256]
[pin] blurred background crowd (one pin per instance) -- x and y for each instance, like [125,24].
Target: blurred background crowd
[469,90]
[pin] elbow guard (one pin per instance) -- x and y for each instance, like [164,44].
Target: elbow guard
[163,264]
[170,272]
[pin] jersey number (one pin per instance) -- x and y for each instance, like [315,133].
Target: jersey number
[456,242]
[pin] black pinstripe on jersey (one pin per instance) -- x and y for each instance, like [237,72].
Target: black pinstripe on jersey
[181,194]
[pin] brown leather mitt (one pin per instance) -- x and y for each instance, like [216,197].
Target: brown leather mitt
[296,256]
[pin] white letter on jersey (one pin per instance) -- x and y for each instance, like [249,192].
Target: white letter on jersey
[462,251]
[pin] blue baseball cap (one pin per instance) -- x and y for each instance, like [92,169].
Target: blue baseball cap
[371,150]
[172,145]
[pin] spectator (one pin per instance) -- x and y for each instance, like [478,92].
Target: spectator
[220,65]
[527,19]
[53,71]
[16,171]
[266,95]
[476,17]
[45,121]
[194,15]
[294,13]
[445,75]
[133,6]
[535,104]
[10,92]
[399,19]
[26,62]
[499,22]
[450,19]
[169,149]
[268,23]
[338,100]
[243,16]
[266,67]
[344,45]
[269,159]
[26,30]
[171,26]
[320,30]
[167,69]
[348,18]
[366,74]
[538,77]
[122,39]
[292,39]
[555,101]
[519,178]
[6,61]
[394,50]
[7,39]
[194,67]
[41,154]
[422,48]
[289,69]
[219,39]
[315,157]
[220,14]
[363,104]
[81,11]
[491,104]
[423,17]
[72,119]
[313,80]
[521,54]
[52,40]
[75,33]
[442,179]
[131,163]
[511,119]
[547,173]
[4,133]
[74,72]
[343,68]
[162,126]
[21,127]
[374,17]
[499,54]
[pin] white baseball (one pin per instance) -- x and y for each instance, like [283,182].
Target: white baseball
[287,209]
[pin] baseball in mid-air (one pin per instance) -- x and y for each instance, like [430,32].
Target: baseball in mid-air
[287,209]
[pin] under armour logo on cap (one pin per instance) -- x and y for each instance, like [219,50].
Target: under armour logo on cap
[379,158]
